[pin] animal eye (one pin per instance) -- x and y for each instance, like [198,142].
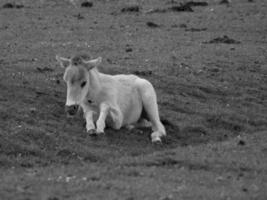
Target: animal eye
[83,84]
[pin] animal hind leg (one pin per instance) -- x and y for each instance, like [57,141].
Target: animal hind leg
[149,100]
[117,118]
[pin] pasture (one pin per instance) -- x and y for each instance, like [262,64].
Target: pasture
[208,64]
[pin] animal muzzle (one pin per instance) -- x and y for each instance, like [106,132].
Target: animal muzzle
[71,110]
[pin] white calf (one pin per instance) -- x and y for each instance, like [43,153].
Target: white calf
[115,100]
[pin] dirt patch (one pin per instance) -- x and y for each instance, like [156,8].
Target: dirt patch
[143,73]
[45,69]
[198,3]
[12,5]
[195,29]
[87,4]
[225,2]
[182,7]
[179,8]
[79,16]
[225,39]
[128,49]
[220,122]
[130,9]
[152,25]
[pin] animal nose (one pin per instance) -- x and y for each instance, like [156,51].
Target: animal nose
[71,110]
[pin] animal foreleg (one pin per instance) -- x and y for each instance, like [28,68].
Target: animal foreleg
[100,123]
[90,126]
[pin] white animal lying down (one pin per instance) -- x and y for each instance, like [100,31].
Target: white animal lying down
[115,100]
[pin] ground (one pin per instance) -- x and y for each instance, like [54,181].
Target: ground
[208,63]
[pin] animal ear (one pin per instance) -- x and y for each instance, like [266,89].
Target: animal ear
[90,64]
[64,62]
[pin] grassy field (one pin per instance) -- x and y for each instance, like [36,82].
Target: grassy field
[208,63]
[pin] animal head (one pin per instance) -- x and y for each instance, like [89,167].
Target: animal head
[77,78]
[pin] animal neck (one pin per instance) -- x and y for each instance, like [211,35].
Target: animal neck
[95,84]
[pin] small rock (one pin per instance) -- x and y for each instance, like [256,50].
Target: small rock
[219,178]
[33,110]
[69,178]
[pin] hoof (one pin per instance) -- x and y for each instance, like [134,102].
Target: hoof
[130,127]
[156,140]
[100,132]
[92,132]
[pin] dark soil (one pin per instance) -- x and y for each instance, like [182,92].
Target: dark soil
[198,3]
[182,8]
[87,4]
[152,25]
[195,29]
[224,2]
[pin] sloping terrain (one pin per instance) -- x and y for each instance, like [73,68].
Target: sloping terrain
[208,63]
